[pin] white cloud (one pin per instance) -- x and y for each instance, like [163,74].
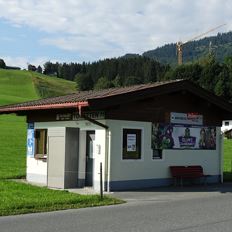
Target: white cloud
[22,62]
[111,28]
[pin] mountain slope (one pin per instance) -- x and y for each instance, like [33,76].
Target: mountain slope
[221,46]
[18,86]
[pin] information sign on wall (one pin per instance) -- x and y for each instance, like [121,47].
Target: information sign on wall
[30,140]
[186,118]
[75,116]
[131,142]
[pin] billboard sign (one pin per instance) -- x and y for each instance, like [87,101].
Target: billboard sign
[167,136]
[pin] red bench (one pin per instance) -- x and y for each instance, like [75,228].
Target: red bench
[187,172]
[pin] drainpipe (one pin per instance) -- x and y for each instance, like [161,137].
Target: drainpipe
[108,147]
[221,154]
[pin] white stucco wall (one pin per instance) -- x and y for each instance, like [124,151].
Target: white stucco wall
[99,157]
[147,168]
[227,127]
[37,169]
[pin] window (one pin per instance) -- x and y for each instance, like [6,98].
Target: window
[227,123]
[41,143]
[157,154]
[131,144]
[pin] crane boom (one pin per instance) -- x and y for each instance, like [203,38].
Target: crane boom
[179,44]
[205,33]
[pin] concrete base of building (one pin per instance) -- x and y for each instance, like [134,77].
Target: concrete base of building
[150,183]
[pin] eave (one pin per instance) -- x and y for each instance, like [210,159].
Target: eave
[66,105]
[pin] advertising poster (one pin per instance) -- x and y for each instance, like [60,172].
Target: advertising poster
[131,142]
[30,140]
[167,136]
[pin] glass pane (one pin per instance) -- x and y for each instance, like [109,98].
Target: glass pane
[41,141]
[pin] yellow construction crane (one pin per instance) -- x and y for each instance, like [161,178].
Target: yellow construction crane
[179,44]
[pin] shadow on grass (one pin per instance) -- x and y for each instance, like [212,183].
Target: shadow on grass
[227,176]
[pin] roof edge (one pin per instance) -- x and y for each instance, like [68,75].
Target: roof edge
[44,107]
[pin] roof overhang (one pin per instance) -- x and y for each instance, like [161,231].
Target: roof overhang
[67,105]
[185,85]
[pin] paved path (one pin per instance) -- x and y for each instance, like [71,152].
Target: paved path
[184,209]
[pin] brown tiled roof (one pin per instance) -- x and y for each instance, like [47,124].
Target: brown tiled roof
[84,96]
[107,97]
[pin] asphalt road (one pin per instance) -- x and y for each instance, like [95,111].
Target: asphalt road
[183,210]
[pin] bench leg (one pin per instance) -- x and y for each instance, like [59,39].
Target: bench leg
[175,181]
[181,181]
[205,180]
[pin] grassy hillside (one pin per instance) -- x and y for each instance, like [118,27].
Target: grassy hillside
[16,86]
[19,86]
[52,86]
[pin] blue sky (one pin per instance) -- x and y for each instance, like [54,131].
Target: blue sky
[35,31]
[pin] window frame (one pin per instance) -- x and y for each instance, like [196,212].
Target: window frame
[43,155]
[157,158]
[226,123]
[141,143]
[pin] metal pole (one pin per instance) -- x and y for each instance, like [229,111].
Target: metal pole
[101,187]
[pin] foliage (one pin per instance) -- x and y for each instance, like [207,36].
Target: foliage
[84,82]
[39,69]
[194,50]
[208,73]
[114,71]
[2,63]
[31,67]
[103,83]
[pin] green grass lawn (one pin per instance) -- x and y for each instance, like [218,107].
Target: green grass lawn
[228,155]
[16,86]
[52,86]
[19,198]
[227,160]
[12,146]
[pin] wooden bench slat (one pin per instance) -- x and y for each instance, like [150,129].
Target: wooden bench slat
[187,172]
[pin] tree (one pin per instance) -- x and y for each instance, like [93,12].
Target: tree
[2,63]
[50,68]
[103,83]
[39,69]
[132,80]
[31,67]
[84,82]
[118,81]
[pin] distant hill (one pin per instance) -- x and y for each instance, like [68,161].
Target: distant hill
[221,46]
[20,85]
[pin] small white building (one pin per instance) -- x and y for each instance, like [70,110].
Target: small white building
[226,125]
[136,132]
